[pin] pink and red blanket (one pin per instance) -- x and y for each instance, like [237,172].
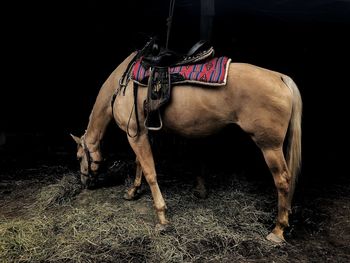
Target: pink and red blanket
[213,72]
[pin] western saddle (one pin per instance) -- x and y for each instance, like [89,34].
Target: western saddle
[159,61]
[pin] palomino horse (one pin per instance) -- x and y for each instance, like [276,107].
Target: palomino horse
[263,103]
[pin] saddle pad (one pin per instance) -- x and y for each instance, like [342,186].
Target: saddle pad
[213,72]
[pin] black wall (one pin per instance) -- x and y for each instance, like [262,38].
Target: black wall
[57,55]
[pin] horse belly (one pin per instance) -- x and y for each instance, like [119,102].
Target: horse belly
[196,128]
[195,112]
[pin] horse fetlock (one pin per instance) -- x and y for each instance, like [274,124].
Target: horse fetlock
[161,216]
[160,208]
[132,194]
[283,223]
[283,217]
[163,220]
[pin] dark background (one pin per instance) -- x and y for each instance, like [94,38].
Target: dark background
[57,54]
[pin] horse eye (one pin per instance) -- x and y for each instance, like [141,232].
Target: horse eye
[79,159]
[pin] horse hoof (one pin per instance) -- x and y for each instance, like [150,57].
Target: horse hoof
[134,195]
[162,228]
[275,239]
[128,197]
[202,194]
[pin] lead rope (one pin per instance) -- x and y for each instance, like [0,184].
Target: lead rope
[169,21]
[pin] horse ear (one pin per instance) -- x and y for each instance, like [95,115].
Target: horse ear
[76,139]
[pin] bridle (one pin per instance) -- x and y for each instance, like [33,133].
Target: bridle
[90,160]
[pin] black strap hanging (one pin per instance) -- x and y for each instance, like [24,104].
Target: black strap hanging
[169,21]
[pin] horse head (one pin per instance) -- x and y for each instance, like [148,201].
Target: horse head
[90,161]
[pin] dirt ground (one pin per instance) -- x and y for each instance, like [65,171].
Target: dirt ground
[45,216]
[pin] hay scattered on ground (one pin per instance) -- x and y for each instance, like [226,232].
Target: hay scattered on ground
[67,224]
[58,193]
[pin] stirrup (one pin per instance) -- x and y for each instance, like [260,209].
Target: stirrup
[154,128]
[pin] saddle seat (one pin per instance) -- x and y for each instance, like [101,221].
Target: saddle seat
[169,58]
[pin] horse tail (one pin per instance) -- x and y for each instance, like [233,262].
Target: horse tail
[294,141]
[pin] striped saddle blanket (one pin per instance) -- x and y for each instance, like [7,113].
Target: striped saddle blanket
[212,72]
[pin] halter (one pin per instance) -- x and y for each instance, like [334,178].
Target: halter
[87,153]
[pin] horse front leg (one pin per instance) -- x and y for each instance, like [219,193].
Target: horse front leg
[142,149]
[278,167]
[134,191]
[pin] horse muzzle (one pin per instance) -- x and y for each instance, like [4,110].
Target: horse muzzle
[88,180]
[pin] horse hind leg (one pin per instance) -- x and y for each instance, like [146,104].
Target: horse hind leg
[277,164]
[142,149]
[135,190]
[200,190]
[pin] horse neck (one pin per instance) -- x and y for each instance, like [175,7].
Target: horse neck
[101,114]
[98,122]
